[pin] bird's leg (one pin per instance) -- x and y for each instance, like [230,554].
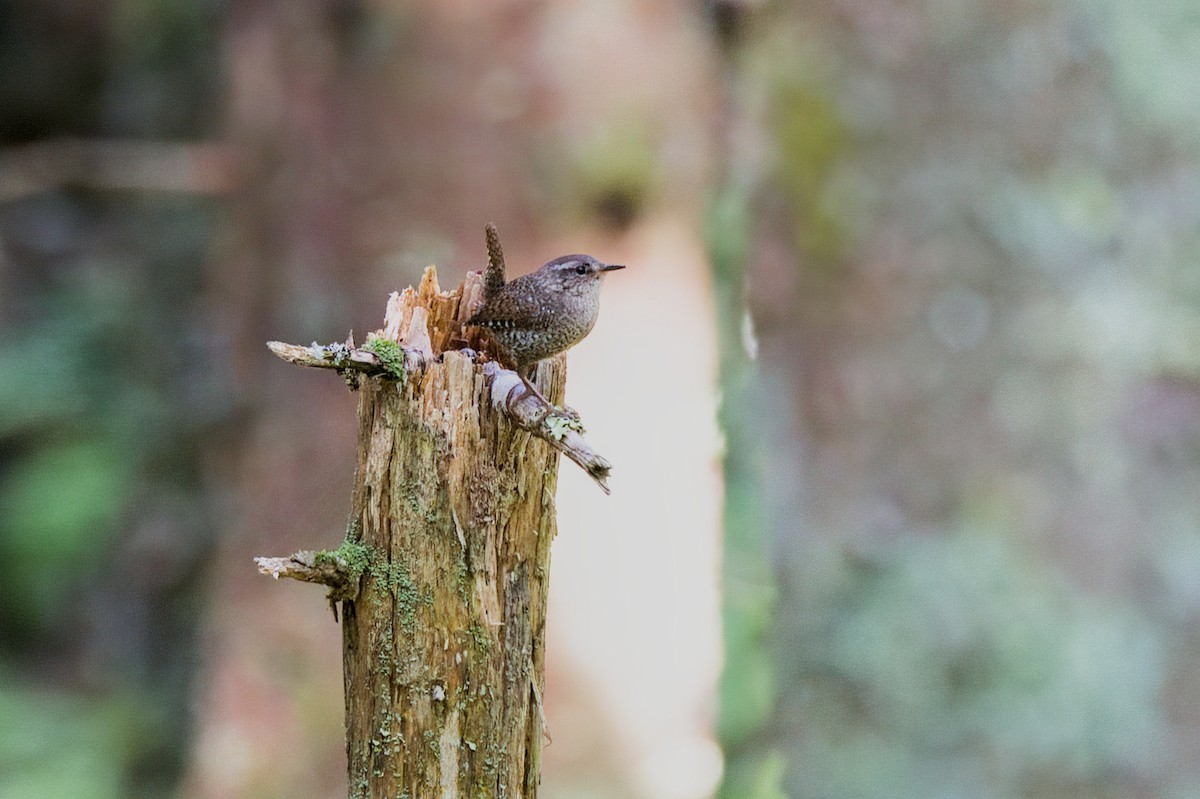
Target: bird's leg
[570,413]
[532,389]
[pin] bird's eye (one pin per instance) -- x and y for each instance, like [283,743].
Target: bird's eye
[581,270]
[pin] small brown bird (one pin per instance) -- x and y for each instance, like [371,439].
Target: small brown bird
[543,313]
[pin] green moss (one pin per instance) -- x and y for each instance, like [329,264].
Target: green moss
[390,353]
[383,739]
[463,582]
[426,513]
[387,644]
[352,556]
[397,579]
[357,559]
[361,788]
[480,638]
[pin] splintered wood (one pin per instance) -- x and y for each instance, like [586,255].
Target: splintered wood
[429,319]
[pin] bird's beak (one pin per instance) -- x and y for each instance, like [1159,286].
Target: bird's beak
[611,267]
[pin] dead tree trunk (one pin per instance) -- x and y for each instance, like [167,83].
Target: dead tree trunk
[444,574]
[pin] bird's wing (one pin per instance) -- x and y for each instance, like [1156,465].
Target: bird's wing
[517,303]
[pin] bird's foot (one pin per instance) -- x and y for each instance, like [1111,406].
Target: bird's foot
[555,417]
[559,417]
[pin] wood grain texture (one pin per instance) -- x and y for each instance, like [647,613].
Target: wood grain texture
[445,642]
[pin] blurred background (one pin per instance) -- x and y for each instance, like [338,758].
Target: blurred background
[902,384]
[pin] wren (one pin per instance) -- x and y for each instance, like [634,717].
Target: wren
[541,314]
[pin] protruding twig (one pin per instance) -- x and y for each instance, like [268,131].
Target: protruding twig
[531,412]
[328,356]
[309,567]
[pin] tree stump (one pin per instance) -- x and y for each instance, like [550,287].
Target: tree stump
[443,577]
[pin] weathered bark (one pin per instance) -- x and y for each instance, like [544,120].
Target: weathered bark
[443,577]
